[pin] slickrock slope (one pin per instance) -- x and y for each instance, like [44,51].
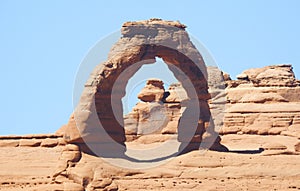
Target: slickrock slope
[29,162]
[60,166]
[263,101]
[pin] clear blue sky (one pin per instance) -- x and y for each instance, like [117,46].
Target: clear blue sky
[44,42]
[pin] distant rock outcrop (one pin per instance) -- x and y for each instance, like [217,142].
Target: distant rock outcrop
[153,91]
[270,76]
[160,117]
[155,116]
[263,101]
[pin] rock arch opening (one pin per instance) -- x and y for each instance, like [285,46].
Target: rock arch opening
[99,114]
[155,117]
[157,70]
[108,102]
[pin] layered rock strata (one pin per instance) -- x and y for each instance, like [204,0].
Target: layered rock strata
[153,118]
[156,120]
[263,101]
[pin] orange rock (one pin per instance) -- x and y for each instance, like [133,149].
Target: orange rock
[297,147]
[274,146]
[153,91]
[29,143]
[9,143]
[49,142]
[263,101]
[69,186]
[141,42]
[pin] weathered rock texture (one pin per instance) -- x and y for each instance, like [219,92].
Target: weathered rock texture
[269,105]
[150,117]
[140,43]
[154,91]
[160,117]
[64,167]
[263,101]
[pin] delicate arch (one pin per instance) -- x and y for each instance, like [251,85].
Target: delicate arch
[140,43]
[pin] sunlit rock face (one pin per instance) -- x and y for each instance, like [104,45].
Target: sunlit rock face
[140,43]
[161,117]
[263,101]
[153,91]
[158,117]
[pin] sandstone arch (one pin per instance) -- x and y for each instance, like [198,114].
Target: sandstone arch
[140,43]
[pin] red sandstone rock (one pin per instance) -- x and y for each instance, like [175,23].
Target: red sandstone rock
[141,42]
[251,110]
[9,143]
[297,147]
[46,162]
[183,172]
[49,142]
[274,146]
[263,101]
[153,91]
[70,186]
[276,75]
[155,118]
[176,94]
[29,143]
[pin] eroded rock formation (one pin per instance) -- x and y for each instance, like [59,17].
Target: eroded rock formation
[62,166]
[141,42]
[151,117]
[153,92]
[160,117]
[263,101]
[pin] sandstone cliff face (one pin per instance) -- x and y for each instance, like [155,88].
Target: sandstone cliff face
[263,101]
